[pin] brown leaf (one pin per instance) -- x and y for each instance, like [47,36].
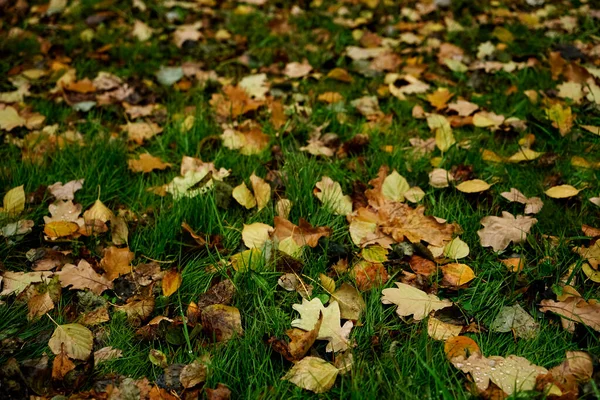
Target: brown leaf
[350,301]
[302,234]
[460,346]
[234,102]
[221,392]
[116,262]
[368,275]
[498,232]
[193,374]
[61,365]
[222,322]
[83,276]
[422,266]
[300,342]
[221,293]
[171,282]
[403,222]
[138,309]
[38,305]
[139,132]
[575,309]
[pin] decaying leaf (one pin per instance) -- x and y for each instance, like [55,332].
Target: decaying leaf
[515,319]
[350,301]
[533,205]
[83,277]
[412,301]
[61,365]
[440,330]
[147,163]
[193,374]
[171,282]
[222,322]
[300,342]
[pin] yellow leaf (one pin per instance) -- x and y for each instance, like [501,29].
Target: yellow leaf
[327,283]
[312,373]
[256,235]
[246,260]
[14,201]
[331,195]
[440,330]
[77,340]
[58,229]
[593,129]
[171,282]
[592,274]
[394,186]
[415,194]
[488,155]
[375,254]
[412,301]
[330,97]
[262,191]
[473,186]
[456,249]
[10,119]
[524,154]
[457,274]
[561,118]
[283,207]
[99,212]
[244,196]
[562,192]
[146,163]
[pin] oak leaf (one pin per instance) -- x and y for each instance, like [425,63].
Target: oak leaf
[412,301]
[83,277]
[575,309]
[331,329]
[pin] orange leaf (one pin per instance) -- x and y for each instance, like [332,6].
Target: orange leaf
[171,282]
[460,346]
[58,229]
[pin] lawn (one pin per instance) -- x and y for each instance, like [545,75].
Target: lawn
[236,199]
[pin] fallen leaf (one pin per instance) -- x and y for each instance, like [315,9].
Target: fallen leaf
[499,232]
[350,301]
[456,249]
[473,186]
[16,282]
[562,192]
[99,212]
[221,392]
[244,196]
[515,319]
[139,132]
[561,118]
[331,328]
[412,301]
[262,191]
[106,354]
[66,191]
[222,322]
[116,262]
[147,163]
[83,277]
[300,342]
[297,70]
[368,275]
[61,365]
[256,235]
[440,330]
[511,374]
[193,374]
[312,373]
[75,339]
[331,195]
[14,201]
[440,178]
[533,205]
[460,346]
[456,274]
[575,309]
[171,282]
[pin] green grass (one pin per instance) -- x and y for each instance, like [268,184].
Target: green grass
[392,358]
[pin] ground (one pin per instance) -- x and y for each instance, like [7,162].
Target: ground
[291,92]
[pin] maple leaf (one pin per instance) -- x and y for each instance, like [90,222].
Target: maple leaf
[247,137]
[412,301]
[331,328]
[499,232]
[66,191]
[146,163]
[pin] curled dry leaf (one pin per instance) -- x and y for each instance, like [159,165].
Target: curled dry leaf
[533,205]
[460,346]
[368,275]
[66,191]
[412,301]
[440,178]
[76,340]
[302,234]
[499,232]
[193,374]
[61,365]
[312,373]
[300,342]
